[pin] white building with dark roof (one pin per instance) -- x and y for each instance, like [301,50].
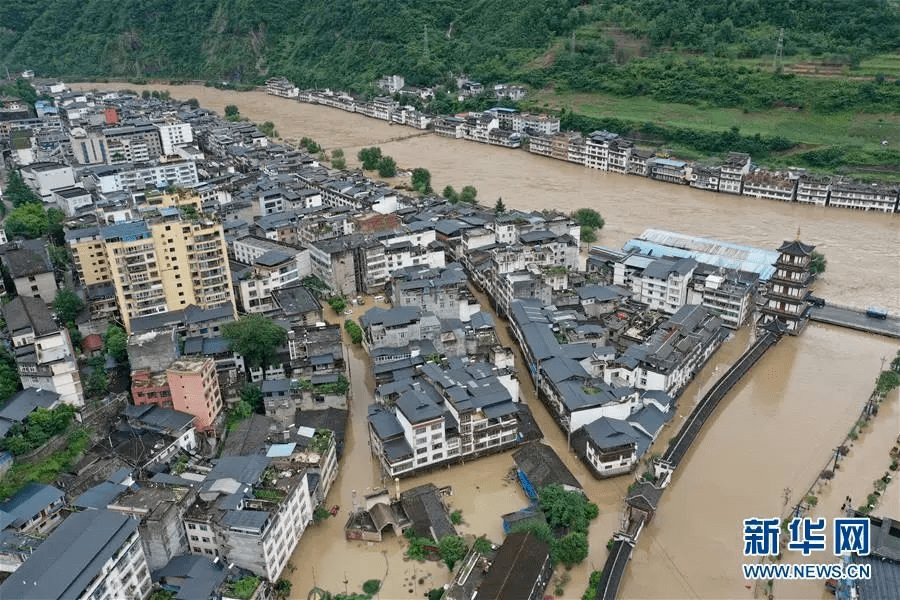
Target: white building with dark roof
[92,554]
[43,350]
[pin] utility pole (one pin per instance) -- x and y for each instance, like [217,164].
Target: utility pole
[779,49]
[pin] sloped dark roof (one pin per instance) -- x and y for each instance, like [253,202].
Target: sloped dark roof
[543,467]
[30,501]
[99,496]
[25,263]
[196,577]
[427,512]
[73,555]
[24,312]
[795,248]
[517,566]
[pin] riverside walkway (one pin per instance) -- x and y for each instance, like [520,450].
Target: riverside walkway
[704,409]
[855,319]
[624,542]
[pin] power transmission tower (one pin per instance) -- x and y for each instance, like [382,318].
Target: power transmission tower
[779,50]
[426,43]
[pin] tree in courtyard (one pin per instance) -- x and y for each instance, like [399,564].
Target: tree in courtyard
[421,180]
[9,375]
[231,110]
[566,509]
[452,549]
[17,191]
[818,263]
[338,304]
[369,158]
[55,229]
[28,221]
[97,381]
[67,305]
[468,194]
[387,166]
[256,338]
[499,207]
[115,342]
[59,256]
[570,549]
[252,395]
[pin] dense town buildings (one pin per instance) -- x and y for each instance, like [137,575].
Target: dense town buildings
[269,230]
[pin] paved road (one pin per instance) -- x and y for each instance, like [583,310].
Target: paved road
[855,319]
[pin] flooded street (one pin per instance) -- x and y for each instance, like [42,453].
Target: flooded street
[775,430]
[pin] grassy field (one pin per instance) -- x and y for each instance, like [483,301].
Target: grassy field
[811,130]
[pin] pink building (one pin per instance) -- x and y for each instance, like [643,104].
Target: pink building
[150,388]
[194,386]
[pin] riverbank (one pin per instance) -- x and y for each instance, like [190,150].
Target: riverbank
[863,267]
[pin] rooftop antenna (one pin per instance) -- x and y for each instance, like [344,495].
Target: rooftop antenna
[779,50]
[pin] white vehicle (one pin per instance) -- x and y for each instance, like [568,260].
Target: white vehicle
[349,311]
[379,298]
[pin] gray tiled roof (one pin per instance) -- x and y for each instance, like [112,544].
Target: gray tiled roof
[63,567]
[196,577]
[30,501]
[99,496]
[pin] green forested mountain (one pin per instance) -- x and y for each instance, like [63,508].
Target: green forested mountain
[669,50]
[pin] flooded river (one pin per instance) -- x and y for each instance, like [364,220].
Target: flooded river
[863,249]
[774,431]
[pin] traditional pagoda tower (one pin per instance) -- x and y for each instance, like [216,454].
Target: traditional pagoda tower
[786,296]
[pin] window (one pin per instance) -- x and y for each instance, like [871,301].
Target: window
[194,538]
[191,526]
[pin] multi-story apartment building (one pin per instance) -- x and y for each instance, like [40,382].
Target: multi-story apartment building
[672,355]
[95,554]
[861,196]
[534,124]
[442,291]
[597,149]
[813,189]
[194,387]
[443,416]
[773,186]
[175,258]
[619,156]
[133,143]
[172,134]
[662,285]
[128,177]
[251,511]
[88,255]
[670,171]
[30,269]
[43,350]
[737,165]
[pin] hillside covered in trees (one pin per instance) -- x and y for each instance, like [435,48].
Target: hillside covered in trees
[348,43]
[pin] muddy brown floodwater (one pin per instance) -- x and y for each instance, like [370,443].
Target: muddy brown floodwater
[775,430]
